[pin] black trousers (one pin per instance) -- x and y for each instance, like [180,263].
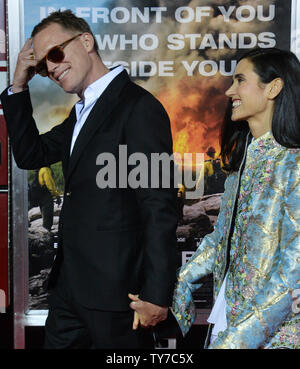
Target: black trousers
[72,326]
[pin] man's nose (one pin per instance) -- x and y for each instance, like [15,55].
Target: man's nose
[51,66]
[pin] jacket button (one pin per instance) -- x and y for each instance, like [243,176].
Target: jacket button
[68,194]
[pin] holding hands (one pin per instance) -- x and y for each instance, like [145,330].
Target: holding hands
[146,314]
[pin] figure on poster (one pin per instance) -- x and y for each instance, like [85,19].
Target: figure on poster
[116,260]
[180,201]
[254,250]
[41,192]
[214,175]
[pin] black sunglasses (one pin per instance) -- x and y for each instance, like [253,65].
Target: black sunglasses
[55,54]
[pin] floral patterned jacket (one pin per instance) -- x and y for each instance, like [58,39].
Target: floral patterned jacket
[263,285]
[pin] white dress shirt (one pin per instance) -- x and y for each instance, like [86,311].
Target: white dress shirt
[91,95]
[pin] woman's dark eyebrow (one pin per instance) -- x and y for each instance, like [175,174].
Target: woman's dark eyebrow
[238,75]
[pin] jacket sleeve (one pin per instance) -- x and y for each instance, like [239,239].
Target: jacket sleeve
[148,132]
[31,150]
[272,305]
[200,264]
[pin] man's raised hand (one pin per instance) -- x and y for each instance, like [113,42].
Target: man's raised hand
[25,67]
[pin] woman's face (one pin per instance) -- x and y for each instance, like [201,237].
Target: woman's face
[248,95]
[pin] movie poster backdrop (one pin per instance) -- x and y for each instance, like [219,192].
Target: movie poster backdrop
[182,51]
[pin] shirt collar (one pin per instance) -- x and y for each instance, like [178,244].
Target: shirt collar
[95,90]
[262,144]
[263,140]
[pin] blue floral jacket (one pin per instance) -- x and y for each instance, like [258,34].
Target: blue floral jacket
[263,285]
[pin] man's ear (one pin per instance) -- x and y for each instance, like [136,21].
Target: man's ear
[274,88]
[88,41]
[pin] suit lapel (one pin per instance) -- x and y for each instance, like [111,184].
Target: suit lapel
[101,110]
[68,136]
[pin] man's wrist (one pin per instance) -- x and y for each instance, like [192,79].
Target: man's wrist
[15,89]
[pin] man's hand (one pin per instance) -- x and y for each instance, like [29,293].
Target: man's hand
[25,68]
[145,313]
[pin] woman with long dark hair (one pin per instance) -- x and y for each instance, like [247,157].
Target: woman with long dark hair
[254,250]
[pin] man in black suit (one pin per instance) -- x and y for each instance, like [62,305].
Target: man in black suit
[115,268]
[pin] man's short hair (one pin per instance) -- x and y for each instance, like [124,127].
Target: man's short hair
[67,20]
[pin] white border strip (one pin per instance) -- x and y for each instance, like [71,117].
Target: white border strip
[15,19]
[3,80]
[15,33]
[295,27]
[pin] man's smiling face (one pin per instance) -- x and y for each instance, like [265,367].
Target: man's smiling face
[73,73]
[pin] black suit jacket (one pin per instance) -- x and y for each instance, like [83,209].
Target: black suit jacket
[112,241]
